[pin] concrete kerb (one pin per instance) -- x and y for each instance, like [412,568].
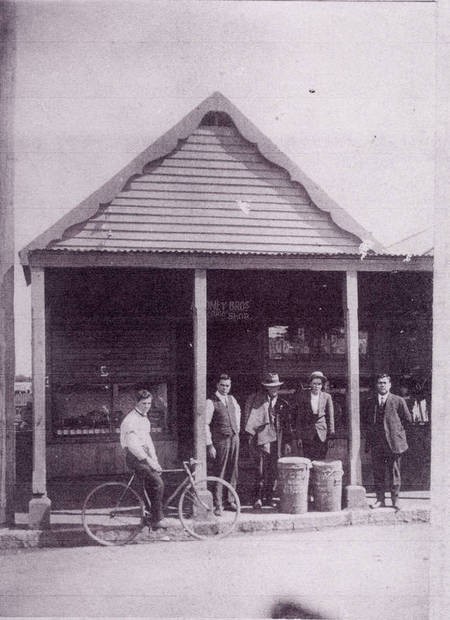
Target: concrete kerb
[73,535]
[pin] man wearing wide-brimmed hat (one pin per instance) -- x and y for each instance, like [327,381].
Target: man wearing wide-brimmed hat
[269,426]
[315,418]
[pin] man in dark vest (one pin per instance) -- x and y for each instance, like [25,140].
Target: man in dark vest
[385,415]
[223,419]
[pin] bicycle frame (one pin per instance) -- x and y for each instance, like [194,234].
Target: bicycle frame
[183,484]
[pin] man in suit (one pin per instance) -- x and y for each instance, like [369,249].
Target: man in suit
[269,425]
[385,415]
[223,418]
[315,418]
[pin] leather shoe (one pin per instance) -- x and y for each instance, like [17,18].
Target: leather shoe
[218,511]
[257,505]
[378,504]
[232,506]
[271,503]
[160,525]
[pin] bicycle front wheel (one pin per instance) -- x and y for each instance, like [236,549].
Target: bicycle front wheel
[196,510]
[113,514]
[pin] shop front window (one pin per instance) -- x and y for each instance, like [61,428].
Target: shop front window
[99,409]
[82,410]
[287,343]
[291,343]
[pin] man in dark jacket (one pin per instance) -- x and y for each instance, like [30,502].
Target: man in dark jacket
[269,425]
[385,415]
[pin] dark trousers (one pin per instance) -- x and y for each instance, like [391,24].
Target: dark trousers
[153,484]
[225,465]
[383,458]
[314,449]
[266,473]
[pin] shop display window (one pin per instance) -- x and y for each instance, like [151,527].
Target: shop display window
[287,342]
[99,409]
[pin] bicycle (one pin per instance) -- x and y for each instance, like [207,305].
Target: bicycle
[114,513]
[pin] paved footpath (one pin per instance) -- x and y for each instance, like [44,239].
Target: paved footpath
[67,531]
[359,573]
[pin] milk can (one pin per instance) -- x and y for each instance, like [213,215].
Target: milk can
[293,478]
[326,485]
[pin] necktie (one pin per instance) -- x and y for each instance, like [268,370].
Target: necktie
[231,414]
[271,411]
[378,418]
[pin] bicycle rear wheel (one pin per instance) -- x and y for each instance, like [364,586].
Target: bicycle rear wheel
[197,513]
[113,514]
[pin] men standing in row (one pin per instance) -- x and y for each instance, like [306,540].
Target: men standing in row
[269,424]
[385,416]
[223,417]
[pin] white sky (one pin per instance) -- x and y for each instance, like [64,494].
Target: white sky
[97,82]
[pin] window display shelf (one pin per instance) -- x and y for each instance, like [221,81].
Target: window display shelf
[95,411]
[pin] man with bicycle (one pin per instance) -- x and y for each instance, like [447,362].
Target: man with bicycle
[140,456]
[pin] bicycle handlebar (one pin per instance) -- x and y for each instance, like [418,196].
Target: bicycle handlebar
[188,465]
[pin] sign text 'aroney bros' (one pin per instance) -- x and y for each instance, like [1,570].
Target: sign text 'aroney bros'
[237,310]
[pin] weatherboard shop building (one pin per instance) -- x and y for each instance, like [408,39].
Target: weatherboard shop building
[210,251]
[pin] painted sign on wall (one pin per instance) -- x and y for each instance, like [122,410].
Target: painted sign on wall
[231,310]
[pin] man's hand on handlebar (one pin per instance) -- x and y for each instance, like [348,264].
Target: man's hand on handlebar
[154,465]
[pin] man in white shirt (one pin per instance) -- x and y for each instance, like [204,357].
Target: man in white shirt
[223,419]
[141,457]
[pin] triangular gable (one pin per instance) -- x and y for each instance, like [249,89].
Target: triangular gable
[243,142]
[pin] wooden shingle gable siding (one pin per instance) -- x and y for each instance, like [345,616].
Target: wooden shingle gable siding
[200,205]
[203,148]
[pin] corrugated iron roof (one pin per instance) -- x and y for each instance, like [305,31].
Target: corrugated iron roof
[85,250]
[208,189]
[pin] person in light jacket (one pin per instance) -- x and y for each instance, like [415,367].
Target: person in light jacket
[315,418]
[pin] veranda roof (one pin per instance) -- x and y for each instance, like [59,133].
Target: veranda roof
[212,184]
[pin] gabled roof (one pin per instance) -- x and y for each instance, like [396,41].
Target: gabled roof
[208,187]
